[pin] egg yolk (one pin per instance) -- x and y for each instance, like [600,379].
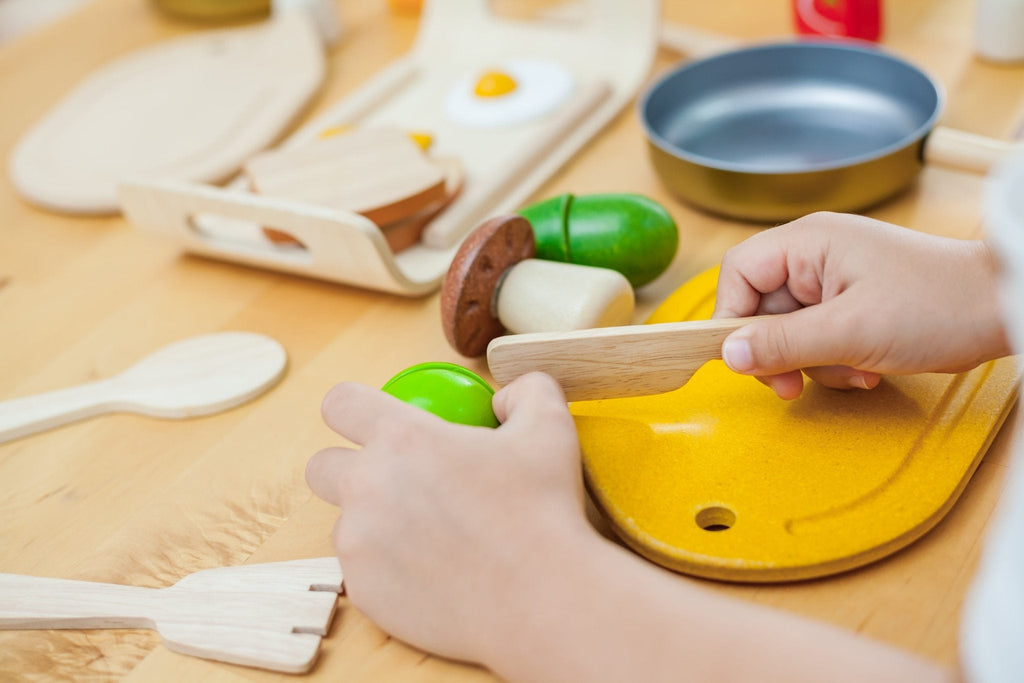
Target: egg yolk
[334,131]
[421,138]
[494,84]
[424,140]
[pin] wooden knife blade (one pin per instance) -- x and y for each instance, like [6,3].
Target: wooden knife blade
[614,362]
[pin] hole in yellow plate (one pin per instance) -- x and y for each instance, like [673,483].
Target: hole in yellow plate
[716,518]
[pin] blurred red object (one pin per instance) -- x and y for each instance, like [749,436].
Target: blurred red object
[839,18]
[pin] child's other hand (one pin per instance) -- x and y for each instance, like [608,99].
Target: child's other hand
[862,298]
[445,528]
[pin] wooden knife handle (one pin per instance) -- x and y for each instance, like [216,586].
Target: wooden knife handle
[613,362]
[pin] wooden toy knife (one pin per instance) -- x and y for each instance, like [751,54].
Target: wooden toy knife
[614,362]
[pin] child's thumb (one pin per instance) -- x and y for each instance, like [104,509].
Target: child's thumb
[781,343]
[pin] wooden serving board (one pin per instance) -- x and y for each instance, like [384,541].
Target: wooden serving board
[721,479]
[191,109]
[502,166]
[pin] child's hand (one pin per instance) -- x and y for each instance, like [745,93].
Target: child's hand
[863,297]
[444,528]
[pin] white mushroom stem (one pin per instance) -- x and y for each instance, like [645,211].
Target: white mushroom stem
[550,296]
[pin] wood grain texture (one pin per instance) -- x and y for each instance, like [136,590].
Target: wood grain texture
[137,501]
[613,362]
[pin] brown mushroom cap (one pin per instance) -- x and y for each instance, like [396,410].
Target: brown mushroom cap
[468,312]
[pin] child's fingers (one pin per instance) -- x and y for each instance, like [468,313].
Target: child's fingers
[779,301]
[359,412]
[325,472]
[786,385]
[810,337]
[535,402]
[526,395]
[749,271]
[843,377]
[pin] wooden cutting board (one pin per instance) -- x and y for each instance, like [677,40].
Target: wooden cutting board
[721,479]
[191,109]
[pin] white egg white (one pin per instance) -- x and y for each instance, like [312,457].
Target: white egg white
[541,87]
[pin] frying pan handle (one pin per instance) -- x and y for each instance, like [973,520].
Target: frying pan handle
[966,151]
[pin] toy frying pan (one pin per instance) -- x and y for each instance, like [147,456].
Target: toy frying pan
[773,132]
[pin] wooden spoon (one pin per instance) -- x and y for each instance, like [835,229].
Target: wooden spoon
[196,376]
[614,362]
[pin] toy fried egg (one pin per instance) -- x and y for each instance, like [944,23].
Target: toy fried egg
[514,92]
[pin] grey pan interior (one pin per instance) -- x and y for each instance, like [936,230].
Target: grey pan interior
[788,109]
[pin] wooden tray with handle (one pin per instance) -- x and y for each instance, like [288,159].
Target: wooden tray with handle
[502,166]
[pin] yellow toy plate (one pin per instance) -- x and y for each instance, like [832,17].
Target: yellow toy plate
[721,479]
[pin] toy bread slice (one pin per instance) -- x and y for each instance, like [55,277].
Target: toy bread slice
[379,173]
[406,232]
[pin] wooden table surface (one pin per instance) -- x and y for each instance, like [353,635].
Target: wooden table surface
[136,500]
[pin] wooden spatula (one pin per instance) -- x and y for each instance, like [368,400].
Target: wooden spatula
[196,376]
[614,362]
[270,616]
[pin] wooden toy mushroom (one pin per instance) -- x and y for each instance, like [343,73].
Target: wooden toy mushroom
[495,285]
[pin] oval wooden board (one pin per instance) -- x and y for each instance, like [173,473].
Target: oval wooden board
[194,109]
[823,484]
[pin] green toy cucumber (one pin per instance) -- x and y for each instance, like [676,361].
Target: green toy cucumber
[629,233]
